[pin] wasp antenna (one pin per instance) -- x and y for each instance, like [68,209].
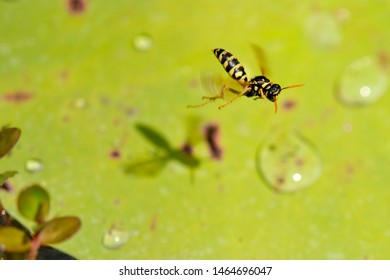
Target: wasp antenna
[276,106]
[298,85]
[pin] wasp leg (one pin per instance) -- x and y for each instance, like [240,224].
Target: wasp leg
[212,98]
[197,106]
[235,98]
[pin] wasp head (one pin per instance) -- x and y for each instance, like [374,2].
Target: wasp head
[273,92]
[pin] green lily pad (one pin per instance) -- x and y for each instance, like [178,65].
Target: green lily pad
[144,64]
[194,133]
[14,240]
[34,203]
[8,138]
[59,229]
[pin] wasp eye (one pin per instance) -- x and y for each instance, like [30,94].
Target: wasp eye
[275,89]
[273,92]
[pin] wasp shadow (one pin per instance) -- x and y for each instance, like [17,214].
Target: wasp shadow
[151,164]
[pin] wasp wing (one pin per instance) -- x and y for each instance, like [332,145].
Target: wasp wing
[261,59]
[215,84]
[219,88]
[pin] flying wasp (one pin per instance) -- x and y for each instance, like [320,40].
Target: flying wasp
[259,87]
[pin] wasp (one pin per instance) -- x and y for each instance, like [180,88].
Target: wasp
[259,87]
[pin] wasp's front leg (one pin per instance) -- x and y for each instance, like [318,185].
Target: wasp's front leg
[245,91]
[212,98]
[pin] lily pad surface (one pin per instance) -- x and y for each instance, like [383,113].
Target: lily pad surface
[79,79]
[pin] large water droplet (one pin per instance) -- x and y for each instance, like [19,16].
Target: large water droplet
[33,165]
[143,42]
[115,238]
[362,82]
[323,29]
[287,161]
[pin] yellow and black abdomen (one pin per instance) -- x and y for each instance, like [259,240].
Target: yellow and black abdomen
[231,65]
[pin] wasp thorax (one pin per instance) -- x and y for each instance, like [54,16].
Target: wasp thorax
[273,92]
[259,80]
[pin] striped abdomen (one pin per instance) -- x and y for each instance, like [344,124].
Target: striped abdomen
[231,65]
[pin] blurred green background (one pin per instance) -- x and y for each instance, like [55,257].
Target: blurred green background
[78,80]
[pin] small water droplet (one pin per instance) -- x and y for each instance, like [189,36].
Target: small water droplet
[80,103]
[34,165]
[143,42]
[362,82]
[323,29]
[287,161]
[115,238]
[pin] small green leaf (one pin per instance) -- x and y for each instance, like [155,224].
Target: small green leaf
[187,160]
[8,138]
[14,240]
[146,166]
[153,136]
[6,175]
[34,203]
[59,229]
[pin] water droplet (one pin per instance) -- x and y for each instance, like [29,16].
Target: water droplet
[80,103]
[115,238]
[362,82]
[287,161]
[33,165]
[323,29]
[142,42]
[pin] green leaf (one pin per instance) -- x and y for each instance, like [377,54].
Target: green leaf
[59,229]
[14,240]
[34,203]
[6,175]
[153,136]
[187,160]
[8,138]
[146,166]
